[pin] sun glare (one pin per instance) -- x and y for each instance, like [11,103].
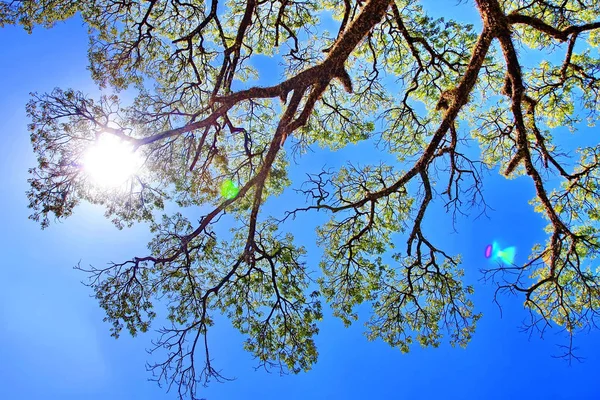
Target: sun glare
[110,162]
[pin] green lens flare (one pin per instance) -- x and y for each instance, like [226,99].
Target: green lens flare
[229,189]
[507,255]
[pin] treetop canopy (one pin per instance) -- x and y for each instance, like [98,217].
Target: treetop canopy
[419,88]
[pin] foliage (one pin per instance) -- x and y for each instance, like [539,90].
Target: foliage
[392,75]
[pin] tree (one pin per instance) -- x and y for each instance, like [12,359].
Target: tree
[197,119]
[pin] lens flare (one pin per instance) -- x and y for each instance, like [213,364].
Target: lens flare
[507,255]
[494,252]
[229,189]
[488,251]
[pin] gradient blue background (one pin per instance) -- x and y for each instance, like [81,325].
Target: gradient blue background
[54,345]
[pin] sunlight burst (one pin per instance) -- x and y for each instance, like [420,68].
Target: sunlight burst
[110,162]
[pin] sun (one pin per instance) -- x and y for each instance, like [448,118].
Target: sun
[110,162]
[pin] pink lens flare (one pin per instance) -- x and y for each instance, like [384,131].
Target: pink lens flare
[488,251]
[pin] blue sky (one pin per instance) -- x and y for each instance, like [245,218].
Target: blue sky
[54,344]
